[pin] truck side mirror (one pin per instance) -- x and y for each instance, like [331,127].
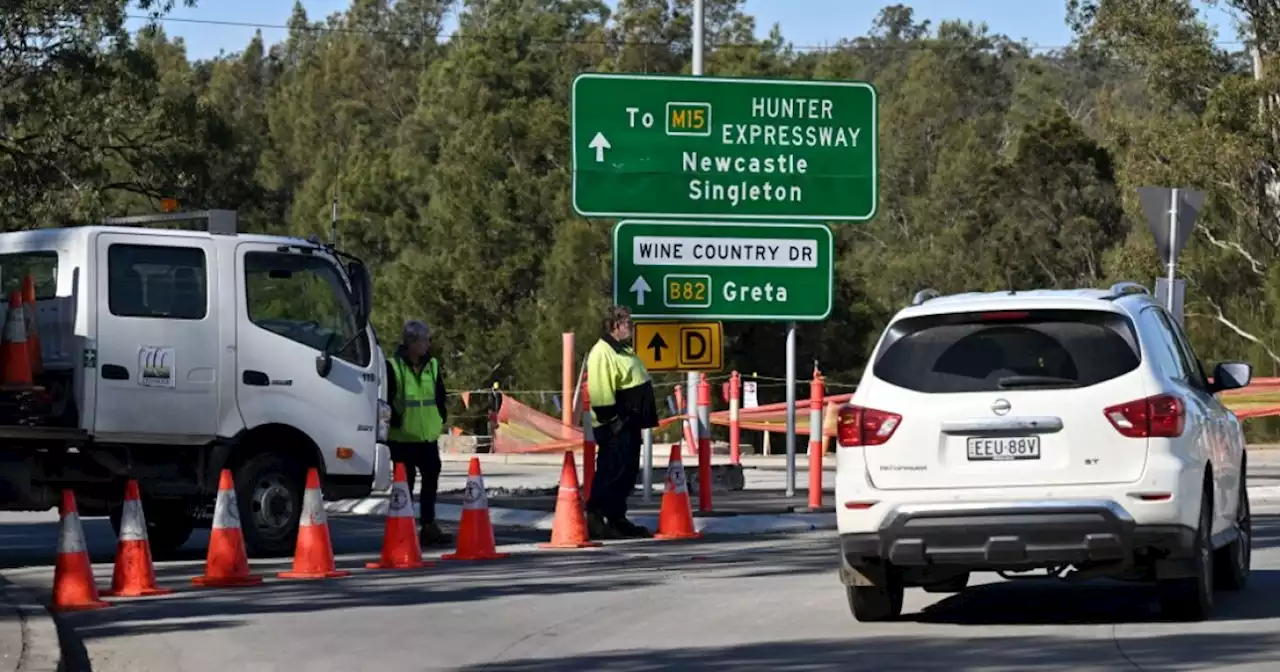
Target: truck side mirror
[324,361]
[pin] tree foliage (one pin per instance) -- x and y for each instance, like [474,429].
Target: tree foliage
[1002,166]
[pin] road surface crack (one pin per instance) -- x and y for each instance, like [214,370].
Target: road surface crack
[1115,639]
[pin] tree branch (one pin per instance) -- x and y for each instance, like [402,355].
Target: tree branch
[1259,268]
[1222,319]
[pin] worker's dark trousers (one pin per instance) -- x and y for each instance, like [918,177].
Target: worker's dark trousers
[425,457]
[617,465]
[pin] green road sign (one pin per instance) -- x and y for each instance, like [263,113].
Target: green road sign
[723,148]
[723,271]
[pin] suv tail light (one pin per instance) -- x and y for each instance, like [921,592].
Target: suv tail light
[859,426]
[1160,416]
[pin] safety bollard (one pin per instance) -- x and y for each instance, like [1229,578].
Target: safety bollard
[735,426]
[816,394]
[704,444]
[588,444]
[687,423]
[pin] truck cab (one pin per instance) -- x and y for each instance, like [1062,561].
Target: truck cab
[171,354]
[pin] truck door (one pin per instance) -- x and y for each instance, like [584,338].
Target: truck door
[292,305]
[157,338]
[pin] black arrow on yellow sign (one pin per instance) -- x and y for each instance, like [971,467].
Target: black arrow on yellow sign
[656,344]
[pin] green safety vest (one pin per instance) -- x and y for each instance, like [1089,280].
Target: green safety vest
[416,403]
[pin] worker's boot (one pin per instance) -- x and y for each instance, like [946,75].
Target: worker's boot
[432,535]
[630,530]
[598,528]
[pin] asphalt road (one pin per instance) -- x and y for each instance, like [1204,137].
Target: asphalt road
[744,604]
[732,604]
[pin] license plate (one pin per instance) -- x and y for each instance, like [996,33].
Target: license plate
[1004,448]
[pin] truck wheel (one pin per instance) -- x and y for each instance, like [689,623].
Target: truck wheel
[269,491]
[169,525]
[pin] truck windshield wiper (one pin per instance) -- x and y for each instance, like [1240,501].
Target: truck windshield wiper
[1008,382]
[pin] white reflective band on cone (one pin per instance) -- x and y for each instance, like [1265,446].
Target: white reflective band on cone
[474,496]
[225,512]
[312,508]
[132,525]
[401,503]
[14,329]
[70,536]
[675,478]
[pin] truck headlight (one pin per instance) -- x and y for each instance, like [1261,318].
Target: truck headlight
[384,420]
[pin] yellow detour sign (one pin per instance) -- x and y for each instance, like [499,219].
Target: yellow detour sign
[680,346]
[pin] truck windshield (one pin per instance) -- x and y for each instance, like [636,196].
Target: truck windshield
[303,298]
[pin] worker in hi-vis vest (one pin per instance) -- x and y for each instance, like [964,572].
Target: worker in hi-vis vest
[415,384]
[622,406]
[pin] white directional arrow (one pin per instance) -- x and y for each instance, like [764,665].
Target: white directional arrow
[640,287]
[600,143]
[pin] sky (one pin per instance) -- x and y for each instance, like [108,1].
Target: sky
[803,22]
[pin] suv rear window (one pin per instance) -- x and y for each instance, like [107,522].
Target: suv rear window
[985,352]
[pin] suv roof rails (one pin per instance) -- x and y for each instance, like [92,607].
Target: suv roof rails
[220,222]
[924,295]
[1124,288]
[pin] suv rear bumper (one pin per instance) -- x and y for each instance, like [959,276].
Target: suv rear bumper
[1007,535]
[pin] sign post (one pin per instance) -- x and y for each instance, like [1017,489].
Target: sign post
[1171,216]
[741,152]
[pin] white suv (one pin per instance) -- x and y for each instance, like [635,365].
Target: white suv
[1041,430]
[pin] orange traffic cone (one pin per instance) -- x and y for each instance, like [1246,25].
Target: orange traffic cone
[400,547]
[475,532]
[569,529]
[29,321]
[73,585]
[675,520]
[226,565]
[313,557]
[14,360]
[134,574]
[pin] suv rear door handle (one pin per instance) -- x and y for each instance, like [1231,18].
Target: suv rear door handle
[114,372]
[256,378]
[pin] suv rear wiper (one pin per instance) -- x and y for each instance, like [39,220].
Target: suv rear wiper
[1034,381]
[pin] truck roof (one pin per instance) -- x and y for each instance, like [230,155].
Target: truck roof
[49,238]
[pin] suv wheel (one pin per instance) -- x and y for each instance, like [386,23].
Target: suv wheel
[1231,563]
[880,602]
[1191,598]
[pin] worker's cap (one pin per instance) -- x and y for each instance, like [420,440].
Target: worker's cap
[414,331]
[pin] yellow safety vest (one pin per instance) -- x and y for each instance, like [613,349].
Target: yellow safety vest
[416,403]
[617,382]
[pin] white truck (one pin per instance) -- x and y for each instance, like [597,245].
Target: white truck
[171,354]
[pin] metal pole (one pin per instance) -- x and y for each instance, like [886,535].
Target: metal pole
[1173,250]
[791,409]
[691,407]
[647,493]
[697,50]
